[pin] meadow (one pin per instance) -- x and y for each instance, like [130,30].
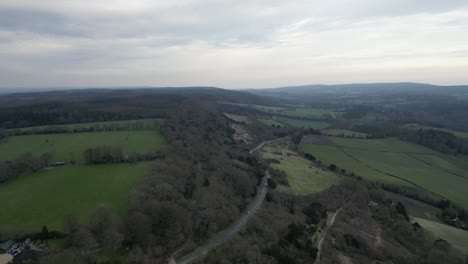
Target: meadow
[303,176]
[343,132]
[398,162]
[70,146]
[270,122]
[307,112]
[45,197]
[457,237]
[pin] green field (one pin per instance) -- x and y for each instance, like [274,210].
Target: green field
[303,123]
[270,122]
[457,237]
[417,127]
[142,124]
[307,112]
[343,132]
[238,118]
[45,197]
[70,146]
[303,176]
[391,160]
[264,108]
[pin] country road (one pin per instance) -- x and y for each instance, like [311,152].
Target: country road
[226,235]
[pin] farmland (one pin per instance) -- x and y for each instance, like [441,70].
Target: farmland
[70,146]
[343,132]
[394,161]
[45,197]
[303,176]
[307,112]
[303,123]
[270,122]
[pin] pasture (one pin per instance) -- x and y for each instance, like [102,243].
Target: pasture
[303,123]
[303,176]
[70,146]
[45,197]
[307,113]
[270,122]
[397,162]
[457,237]
[344,133]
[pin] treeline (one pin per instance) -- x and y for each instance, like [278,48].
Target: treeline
[3,133]
[110,154]
[57,129]
[25,162]
[451,214]
[442,141]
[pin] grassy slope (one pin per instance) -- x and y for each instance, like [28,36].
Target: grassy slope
[457,237]
[66,147]
[303,177]
[375,159]
[45,197]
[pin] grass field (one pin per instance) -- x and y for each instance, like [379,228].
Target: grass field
[457,237]
[344,132]
[307,112]
[417,127]
[303,176]
[70,146]
[270,122]
[303,123]
[153,122]
[238,118]
[45,197]
[391,160]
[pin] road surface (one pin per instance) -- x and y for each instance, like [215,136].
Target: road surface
[220,239]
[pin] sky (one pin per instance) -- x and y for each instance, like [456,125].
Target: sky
[231,43]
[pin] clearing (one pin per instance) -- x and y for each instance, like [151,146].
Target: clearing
[303,176]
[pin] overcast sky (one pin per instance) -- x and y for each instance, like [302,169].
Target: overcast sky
[231,43]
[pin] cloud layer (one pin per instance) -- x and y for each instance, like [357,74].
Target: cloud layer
[258,43]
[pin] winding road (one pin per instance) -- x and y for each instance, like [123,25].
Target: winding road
[227,234]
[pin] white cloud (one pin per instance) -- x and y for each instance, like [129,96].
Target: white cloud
[230,44]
